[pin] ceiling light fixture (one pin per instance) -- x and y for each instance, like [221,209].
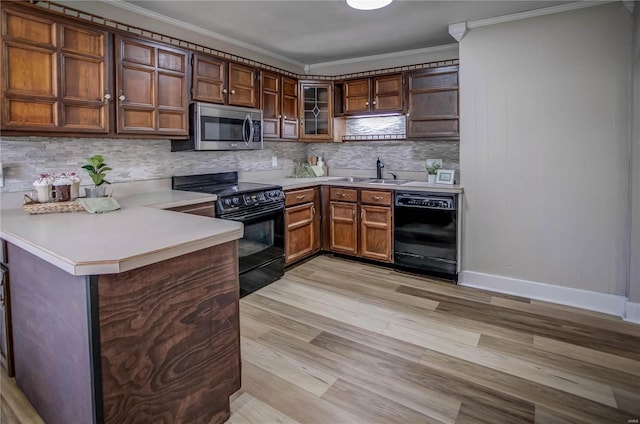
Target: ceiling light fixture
[368,4]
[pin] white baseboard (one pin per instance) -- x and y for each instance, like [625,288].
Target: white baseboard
[585,299]
[632,313]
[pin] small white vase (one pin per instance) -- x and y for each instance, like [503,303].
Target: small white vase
[431,178]
[75,190]
[44,193]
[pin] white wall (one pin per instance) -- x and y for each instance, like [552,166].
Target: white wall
[634,286]
[544,149]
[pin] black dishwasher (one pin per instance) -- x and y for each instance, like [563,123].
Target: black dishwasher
[425,232]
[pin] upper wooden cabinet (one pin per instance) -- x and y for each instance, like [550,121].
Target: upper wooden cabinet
[55,74]
[151,83]
[279,103]
[209,79]
[217,81]
[373,95]
[316,107]
[433,109]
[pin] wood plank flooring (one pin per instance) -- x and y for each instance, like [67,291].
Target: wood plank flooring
[337,341]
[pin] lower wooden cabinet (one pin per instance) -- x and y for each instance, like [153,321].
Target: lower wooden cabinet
[202,209]
[302,223]
[361,223]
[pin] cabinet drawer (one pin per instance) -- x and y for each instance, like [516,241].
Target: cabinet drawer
[344,194]
[375,197]
[298,197]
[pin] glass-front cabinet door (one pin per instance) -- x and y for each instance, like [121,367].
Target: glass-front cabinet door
[317,112]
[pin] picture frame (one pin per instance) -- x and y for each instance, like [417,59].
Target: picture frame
[445,176]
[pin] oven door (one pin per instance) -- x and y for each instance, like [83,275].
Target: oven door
[261,250]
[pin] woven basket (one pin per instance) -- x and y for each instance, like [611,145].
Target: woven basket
[35,208]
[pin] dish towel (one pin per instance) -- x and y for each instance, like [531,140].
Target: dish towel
[99,204]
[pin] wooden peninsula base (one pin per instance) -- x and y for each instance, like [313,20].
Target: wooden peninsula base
[156,344]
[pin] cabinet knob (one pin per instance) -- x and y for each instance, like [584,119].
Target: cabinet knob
[224,91]
[280,116]
[121,98]
[366,103]
[233,91]
[374,102]
[107,97]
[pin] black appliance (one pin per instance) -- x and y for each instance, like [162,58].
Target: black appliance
[260,207]
[425,232]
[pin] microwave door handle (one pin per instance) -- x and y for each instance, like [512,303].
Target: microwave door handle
[249,121]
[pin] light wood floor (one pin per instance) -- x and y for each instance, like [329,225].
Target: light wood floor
[337,341]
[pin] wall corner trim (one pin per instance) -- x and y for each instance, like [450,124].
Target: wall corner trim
[458,30]
[632,312]
[585,299]
[537,12]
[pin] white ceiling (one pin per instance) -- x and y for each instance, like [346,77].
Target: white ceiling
[319,31]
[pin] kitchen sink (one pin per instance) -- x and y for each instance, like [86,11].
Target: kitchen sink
[355,179]
[388,182]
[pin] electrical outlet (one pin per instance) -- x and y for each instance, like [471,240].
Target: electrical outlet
[274,161]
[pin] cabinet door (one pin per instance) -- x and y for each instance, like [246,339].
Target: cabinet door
[300,231]
[375,233]
[344,228]
[209,79]
[356,96]
[6,360]
[242,85]
[433,103]
[152,95]
[270,104]
[316,104]
[55,75]
[290,122]
[387,93]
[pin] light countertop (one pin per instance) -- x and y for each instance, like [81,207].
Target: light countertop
[139,234]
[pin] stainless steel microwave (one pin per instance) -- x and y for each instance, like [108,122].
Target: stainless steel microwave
[218,127]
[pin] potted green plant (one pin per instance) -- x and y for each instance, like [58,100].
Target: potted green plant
[96,168]
[432,170]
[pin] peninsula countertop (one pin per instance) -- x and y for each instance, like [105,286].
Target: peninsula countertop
[139,234]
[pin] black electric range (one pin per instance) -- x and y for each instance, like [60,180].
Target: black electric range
[260,207]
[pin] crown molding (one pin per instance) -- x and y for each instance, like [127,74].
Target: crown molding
[404,53]
[537,12]
[458,30]
[193,28]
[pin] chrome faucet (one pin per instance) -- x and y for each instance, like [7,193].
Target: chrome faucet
[379,166]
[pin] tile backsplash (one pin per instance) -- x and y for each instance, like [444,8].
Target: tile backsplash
[23,158]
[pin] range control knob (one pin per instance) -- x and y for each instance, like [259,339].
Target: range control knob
[236,201]
[227,202]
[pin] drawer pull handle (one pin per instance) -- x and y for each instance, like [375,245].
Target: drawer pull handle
[343,195]
[313,212]
[376,197]
[302,196]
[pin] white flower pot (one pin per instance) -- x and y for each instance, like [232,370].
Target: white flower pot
[431,178]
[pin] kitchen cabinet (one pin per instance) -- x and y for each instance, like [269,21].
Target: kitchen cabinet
[55,74]
[151,84]
[302,223]
[6,345]
[433,104]
[279,104]
[217,81]
[316,107]
[373,95]
[202,209]
[361,223]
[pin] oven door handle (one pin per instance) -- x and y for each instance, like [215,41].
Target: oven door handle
[251,217]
